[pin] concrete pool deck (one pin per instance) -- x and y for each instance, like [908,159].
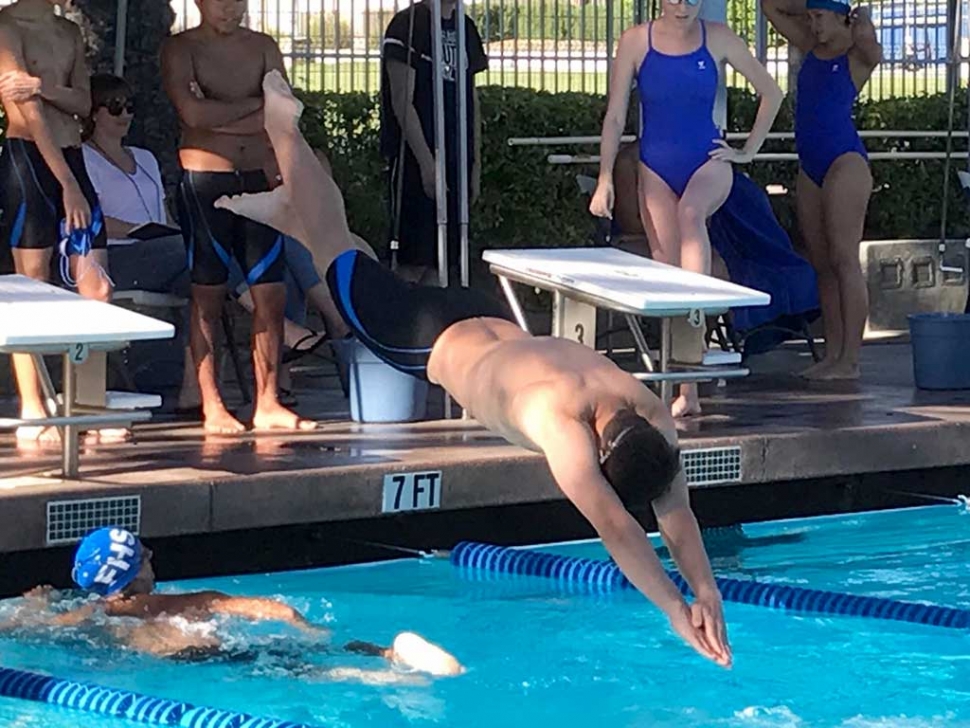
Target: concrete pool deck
[769,428]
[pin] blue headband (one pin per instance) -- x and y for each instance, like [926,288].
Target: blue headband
[107,561]
[842,8]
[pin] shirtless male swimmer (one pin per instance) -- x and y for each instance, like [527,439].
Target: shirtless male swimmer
[608,440]
[46,196]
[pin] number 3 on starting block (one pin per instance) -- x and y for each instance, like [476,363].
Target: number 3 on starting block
[696,318]
[79,353]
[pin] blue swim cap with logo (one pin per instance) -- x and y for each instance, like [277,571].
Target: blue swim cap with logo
[107,561]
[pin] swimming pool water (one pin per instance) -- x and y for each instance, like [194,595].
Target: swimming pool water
[537,655]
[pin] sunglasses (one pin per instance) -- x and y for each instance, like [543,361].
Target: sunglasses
[115,107]
[689,2]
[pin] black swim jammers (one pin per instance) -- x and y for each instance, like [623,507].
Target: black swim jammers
[397,320]
[32,200]
[214,236]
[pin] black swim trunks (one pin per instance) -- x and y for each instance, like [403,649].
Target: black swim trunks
[32,201]
[214,236]
[397,320]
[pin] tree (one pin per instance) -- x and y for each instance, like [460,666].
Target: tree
[149,21]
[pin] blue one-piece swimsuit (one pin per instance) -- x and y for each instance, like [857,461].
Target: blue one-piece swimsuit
[824,129]
[677,94]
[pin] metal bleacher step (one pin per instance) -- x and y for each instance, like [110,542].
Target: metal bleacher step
[114,400]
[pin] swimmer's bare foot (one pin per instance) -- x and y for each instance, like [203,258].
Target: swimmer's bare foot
[277,417]
[107,436]
[281,109]
[218,421]
[270,208]
[414,651]
[687,404]
[33,437]
[840,371]
[818,369]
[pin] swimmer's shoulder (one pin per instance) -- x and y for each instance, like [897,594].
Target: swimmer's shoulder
[11,34]
[68,28]
[182,42]
[261,40]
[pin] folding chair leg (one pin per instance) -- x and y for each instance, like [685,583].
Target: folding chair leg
[807,333]
[227,329]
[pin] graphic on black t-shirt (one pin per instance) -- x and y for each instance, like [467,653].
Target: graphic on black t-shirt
[417,51]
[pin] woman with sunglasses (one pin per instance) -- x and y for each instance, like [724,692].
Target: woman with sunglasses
[834,180]
[685,170]
[129,186]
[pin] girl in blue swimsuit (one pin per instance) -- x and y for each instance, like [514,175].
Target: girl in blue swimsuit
[834,182]
[685,165]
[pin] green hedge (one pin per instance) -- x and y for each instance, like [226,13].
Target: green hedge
[527,202]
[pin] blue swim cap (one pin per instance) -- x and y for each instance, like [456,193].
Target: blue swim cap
[836,6]
[107,561]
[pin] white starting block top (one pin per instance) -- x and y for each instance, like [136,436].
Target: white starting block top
[39,317]
[621,281]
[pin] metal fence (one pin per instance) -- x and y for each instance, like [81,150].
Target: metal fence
[565,45]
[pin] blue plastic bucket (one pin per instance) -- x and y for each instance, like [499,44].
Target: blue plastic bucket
[941,350]
[379,392]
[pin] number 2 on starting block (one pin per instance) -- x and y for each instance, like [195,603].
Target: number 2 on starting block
[79,353]
[412,491]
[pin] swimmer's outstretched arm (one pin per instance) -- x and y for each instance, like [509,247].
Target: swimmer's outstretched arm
[572,455]
[261,610]
[680,532]
[36,612]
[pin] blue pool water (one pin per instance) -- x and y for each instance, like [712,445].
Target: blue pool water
[538,656]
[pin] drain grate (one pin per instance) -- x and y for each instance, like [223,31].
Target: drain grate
[712,466]
[69,521]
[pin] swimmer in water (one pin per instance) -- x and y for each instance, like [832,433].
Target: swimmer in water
[113,564]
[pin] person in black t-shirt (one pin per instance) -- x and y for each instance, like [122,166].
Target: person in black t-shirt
[407,102]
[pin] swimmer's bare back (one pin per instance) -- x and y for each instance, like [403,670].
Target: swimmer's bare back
[514,383]
[52,50]
[226,69]
[163,638]
[198,605]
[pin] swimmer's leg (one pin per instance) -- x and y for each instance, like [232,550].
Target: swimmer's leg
[412,651]
[313,195]
[308,206]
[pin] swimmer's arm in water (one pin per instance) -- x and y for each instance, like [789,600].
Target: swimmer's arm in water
[261,610]
[679,530]
[36,612]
